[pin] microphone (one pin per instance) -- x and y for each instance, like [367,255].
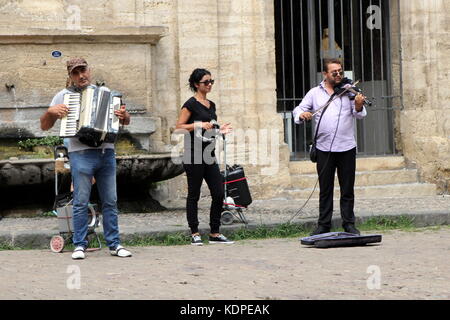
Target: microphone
[215,124]
[214,132]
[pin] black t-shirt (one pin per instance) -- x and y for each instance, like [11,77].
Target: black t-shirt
[201,113]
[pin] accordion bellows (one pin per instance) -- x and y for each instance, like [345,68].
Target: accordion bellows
[91,115]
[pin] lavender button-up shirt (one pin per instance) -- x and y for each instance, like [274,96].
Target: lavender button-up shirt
[341,110]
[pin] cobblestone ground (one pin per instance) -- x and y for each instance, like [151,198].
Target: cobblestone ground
[406,265]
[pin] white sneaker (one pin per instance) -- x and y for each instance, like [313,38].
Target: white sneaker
[196,240]
[120,252]
[78,253]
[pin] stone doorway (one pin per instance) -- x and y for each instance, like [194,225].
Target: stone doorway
[359,33]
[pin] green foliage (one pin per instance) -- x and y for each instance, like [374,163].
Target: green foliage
[46,141]
[8,246]
[388,223]
[47,214]
[286,230]
[166,240]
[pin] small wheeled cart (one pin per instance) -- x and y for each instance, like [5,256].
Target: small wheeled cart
[63,207]
[237,193]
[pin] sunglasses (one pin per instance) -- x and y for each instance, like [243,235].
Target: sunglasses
[207,82]
[335,73]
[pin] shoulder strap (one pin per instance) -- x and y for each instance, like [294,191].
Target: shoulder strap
[321,115]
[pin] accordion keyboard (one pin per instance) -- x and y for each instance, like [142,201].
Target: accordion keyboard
[69,124]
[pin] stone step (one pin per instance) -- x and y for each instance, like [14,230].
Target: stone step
[362,164]
[404,190]
[362,178]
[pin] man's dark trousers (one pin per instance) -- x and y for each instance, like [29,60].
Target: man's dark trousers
[345,163]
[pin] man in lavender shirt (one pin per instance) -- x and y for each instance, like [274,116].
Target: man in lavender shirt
[336,144]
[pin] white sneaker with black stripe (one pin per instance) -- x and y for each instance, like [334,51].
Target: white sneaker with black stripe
[196,240]
[120,252]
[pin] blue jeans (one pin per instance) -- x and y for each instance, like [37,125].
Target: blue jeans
[100,164]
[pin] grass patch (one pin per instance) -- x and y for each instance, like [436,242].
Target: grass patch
[264,232]
[7,246]
[125,147]
[50,141]
[4,246]
[137,241]
[260,232]
[173,239]
[24,149]
[286,230]
[388,223]
[46,214]
[8,150]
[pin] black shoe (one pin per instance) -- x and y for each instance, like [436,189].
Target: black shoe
[351,229]
[196,240]
[220,239]
[320,230]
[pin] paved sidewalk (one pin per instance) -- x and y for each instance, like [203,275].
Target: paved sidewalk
[262,270]
[36,232]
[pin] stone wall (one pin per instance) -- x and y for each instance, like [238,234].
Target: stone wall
[425,120]
[234,39]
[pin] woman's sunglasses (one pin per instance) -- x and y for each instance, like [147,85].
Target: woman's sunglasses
[207,82]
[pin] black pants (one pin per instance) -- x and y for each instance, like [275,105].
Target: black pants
[195,174]
[345,163]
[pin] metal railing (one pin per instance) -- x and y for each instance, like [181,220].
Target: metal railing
[360,34]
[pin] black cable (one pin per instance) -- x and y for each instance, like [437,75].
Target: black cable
[324,167]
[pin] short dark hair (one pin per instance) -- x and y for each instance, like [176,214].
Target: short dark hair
[196,76]
[326,62]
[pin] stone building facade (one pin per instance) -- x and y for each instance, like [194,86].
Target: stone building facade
[147,49]
[424,123]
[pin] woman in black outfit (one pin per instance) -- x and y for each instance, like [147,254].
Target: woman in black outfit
[199,160]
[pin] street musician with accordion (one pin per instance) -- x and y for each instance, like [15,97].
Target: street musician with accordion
[90,118]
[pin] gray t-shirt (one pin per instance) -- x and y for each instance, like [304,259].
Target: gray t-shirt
[73,144]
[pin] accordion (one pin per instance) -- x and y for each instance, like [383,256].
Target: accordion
[91,115]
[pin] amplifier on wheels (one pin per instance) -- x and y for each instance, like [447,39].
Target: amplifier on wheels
[236,191]
[237,186]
